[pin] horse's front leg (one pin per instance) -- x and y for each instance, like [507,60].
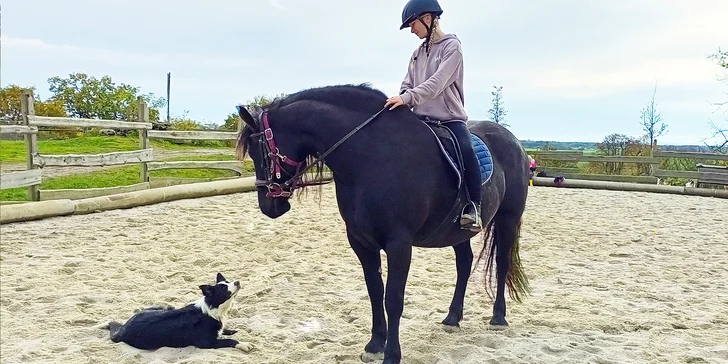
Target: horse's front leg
[463,262]
[399,257]
[371,263]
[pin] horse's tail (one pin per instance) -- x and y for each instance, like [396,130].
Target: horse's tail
[516,279]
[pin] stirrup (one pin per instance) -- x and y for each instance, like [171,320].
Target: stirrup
[474,227]
[470,222]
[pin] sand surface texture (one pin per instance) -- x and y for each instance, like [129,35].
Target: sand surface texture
[617,277]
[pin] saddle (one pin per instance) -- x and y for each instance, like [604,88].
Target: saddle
[451,151]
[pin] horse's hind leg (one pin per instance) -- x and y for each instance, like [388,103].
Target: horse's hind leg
[463,262]
[371,263]
[506,230]
[399,258]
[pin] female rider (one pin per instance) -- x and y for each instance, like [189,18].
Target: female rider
[433,87]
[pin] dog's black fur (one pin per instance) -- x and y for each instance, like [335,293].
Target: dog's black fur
[198,324]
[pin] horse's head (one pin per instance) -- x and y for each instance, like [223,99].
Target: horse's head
[278,160]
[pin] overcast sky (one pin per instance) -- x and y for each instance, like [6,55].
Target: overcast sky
[570,70]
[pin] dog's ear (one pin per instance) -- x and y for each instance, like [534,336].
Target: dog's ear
[220,277]
[206,289]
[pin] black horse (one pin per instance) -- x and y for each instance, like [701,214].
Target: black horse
[395,190]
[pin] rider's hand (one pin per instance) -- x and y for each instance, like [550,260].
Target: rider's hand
[394,102]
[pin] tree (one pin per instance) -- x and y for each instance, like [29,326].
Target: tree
[721,59]
[652,120]
[85,96]
[498,113]
[10,99]
[619,145]
[720,132]
[231,122]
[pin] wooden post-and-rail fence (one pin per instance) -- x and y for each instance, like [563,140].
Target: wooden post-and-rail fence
[705,173]
[32,177]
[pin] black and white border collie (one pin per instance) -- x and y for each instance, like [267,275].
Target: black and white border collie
[198,324]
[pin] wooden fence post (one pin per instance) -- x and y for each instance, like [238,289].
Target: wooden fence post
[241,124]
[27,107]
[143,116]
[653,149]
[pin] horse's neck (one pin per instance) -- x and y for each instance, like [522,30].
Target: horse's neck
[325,127]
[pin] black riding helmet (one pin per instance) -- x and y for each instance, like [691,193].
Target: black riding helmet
[416,8]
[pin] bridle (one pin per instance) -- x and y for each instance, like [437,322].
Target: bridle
[272,160]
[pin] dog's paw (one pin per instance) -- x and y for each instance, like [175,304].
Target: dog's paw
[244,346]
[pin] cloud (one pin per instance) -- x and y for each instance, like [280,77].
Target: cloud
[558,62]
[581,82]
[33,48]
[587,55]
[277,4]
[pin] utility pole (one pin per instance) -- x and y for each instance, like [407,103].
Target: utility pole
[1,45]
[169,76]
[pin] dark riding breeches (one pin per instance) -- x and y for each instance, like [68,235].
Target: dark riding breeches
[470,161]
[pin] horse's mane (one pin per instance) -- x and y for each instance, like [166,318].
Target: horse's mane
[361,96]
[349,96]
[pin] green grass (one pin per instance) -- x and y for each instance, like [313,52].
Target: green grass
[126,175]
[14,151]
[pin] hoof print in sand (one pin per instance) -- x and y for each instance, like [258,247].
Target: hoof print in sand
[244,346]
[369,357]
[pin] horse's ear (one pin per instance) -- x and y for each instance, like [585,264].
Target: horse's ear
[247,118]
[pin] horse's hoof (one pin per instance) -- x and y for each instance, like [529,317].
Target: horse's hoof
[499,323]
[450,324]
[368,357]
[391,361]
[450,320]
[451,329]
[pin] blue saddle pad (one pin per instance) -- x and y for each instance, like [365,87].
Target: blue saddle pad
[485,160]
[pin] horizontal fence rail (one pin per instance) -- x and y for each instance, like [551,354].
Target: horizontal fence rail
[86,123]
[31,177]
[18,129]
[94,160]
[235,166]
[192,135]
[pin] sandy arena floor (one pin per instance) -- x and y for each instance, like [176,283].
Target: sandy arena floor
[618,277]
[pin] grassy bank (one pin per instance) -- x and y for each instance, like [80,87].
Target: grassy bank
[125,175]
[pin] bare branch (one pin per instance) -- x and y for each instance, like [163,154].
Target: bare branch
[720,146]
[720,134]
[652,120]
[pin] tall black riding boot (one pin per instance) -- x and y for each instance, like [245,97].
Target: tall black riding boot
[470,218]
